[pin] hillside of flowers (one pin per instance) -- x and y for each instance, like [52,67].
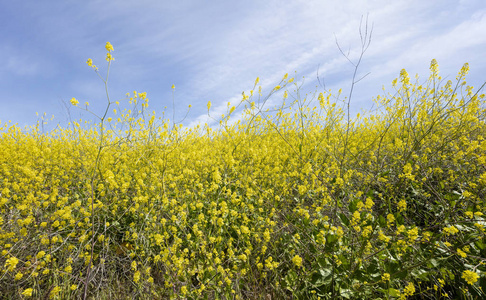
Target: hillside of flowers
[289,202]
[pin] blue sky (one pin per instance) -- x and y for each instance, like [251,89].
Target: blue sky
[214,50]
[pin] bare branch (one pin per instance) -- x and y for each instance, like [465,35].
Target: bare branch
[363,77]
[323,84]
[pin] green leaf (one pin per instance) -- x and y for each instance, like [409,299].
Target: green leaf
[401,274]
[399,218]
[346,293]
[290,279]
[323,262]
[434,262]
[353,205]
[480,244]
[382,221]
[312,248]
[393,292]
[316,279]
[392,267]
[420,274]
[325,272]
[331,238]
[344,219]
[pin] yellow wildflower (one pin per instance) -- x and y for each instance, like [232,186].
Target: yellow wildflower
[68,269]
[409,290]
[40,254]
[108,47]
[54,292]
[244,229]
[402,205]
[297,260]
[184,290]
[11,263]
[400,229]
[369,203]
[470,276]
[109,57]
[413,234]
[451,230]
[136,277]
[28,292]
[19,276]
[461,253]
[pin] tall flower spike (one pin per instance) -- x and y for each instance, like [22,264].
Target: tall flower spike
[434,67]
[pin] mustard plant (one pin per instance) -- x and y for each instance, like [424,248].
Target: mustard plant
[294,201]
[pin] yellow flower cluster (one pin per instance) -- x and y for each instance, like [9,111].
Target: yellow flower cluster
[470,277]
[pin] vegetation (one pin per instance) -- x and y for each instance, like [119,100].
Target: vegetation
[297,202]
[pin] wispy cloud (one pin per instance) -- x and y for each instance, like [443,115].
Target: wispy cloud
[214,52]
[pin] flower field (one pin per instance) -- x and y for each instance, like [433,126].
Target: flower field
[291,202]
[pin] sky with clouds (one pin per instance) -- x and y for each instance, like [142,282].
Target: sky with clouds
[214,50]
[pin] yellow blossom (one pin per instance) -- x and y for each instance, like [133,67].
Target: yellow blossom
[409,290]
[11,263]
[28,292]
[74,101]
[109,57]
[18,276]
[461,253]
[108,47]
[54,292]
[136,277]
[297,260]
[400,229]
[184,290]
[402,205]
[68,269]
[412,234]
[470,276]
[40,254]
[450,230]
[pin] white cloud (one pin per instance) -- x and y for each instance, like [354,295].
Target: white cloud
[214,52]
